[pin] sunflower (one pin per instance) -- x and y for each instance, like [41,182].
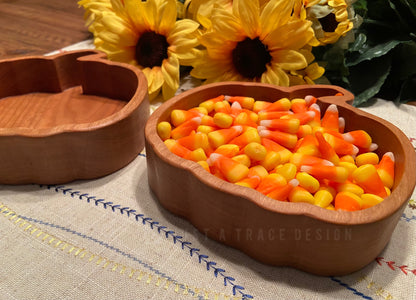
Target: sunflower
[331,19]
[147,35]
[309,74]
[201,10]
[91,8]
[249,43]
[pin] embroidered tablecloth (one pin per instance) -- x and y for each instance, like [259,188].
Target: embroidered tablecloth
[109,238]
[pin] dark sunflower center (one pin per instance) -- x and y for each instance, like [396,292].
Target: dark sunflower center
[329,23]
[250,58]
[151,49]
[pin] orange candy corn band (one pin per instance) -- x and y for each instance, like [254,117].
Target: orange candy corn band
[288,150]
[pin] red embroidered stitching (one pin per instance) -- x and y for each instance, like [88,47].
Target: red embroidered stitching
[392,265]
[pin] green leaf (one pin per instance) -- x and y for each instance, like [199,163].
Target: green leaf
[404,14]
[405,60]
[373,52]
[359,43]
[380,10]
[367,78]
[408,90]
[360,7]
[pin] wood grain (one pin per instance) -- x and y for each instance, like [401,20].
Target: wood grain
[68,107]
[300,235]
[35,27]
[65,117]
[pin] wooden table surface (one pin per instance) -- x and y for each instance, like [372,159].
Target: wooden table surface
[35,27]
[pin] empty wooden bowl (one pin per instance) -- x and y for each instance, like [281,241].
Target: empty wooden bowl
[278,233]
[69,116]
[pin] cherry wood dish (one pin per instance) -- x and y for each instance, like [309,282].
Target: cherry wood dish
[299,235]
[74,115]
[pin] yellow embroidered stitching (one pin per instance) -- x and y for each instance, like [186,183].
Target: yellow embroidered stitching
[81,253]
[375,288]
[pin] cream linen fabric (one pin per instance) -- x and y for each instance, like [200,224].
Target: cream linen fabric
[110,239]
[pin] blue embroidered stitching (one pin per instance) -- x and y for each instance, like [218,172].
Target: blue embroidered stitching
[168,233]
[408,219]
[108,246]
[355,292]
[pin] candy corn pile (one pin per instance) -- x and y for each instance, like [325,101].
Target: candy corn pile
[283,149]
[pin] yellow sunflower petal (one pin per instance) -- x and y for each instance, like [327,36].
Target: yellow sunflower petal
[248,11]
[226,25]
[279,11]
[307,53]
[149,75]
[170,71]
[150,13]
[314,71]
[125,55]
[296,80]
[275,75]
[116,30]
[167,91]
[167,17]
[135,14]
[289,59]
[182,27]
[157,79]
[293,35]
[118,6]
[206,68]
[217,47]
[183,35]
[186,58]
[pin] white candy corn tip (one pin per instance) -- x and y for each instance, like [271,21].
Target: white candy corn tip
[213,158]
[341,122]
[310,113]
[315,107]
[239,128]
[348,137]
[265,123]
[309,98]
[293,182]
[198,120]
[236,105]
[355,150]
[332,108]
[260,128]
[305,168]
[390,154]
[227,97]
[326,162]
[264,133]
[373,147]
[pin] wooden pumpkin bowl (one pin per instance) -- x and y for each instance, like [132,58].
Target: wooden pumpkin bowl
[69,116]
[278,233]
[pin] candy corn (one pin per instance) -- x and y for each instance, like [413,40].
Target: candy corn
[231,169]
[287,140]
[347,201]
[223,136]
[385,169]
[333,173]
[367,177]
[286,125]
[282,149]
[270,182]
[279,105]
[281,193]
[330,118]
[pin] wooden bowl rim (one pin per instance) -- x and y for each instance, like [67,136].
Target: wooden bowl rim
[136,100]
[369,215]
